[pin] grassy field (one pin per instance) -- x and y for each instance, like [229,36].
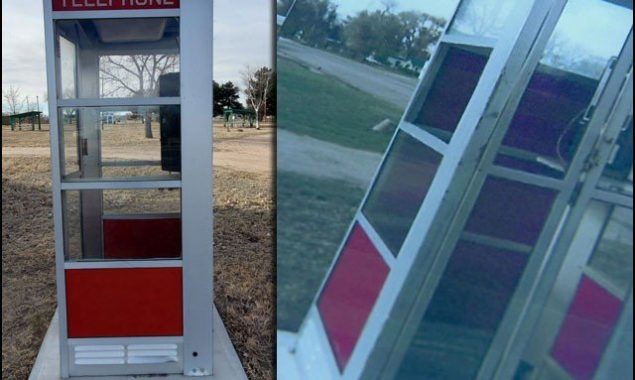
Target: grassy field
[243,259]
[312,216]
[327,109]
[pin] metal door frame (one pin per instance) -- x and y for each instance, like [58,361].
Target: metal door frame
[196,178]
[313,349]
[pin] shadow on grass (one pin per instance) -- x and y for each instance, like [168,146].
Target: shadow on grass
[312,217]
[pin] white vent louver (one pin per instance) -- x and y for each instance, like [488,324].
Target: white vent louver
[125,354]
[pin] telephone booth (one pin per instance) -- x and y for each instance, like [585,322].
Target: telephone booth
[130,99]
[495,241]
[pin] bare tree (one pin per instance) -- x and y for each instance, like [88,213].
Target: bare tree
[13,99]
[135,75]
[257,84]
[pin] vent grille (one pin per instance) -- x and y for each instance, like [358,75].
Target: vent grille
[125,354]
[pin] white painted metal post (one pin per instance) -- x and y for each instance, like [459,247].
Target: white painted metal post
[51,79]
[196,182]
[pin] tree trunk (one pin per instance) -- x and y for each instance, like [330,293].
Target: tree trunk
[148,120]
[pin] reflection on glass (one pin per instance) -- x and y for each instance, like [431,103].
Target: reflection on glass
[456,331]
[484,18]
[400,188]
[479,281]
[118,58]
[581,317]
[510,211]
[68,68]
[553,113]
[133,224]
[613,255]
[582,49]
[451,91]
[106,142]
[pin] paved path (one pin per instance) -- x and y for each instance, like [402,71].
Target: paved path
[317,158]
[386,85]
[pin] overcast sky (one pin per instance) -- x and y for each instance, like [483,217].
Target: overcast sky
[242,35]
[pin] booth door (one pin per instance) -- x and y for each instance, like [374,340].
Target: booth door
[118,119]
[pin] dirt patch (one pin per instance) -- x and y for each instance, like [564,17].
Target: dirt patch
[243,255]
[244,149]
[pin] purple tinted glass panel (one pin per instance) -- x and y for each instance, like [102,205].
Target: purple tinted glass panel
[586,330]
[476,286]
[400,188]
[350,293]
[510,210]
[464,313]
[547,124]
[451,90]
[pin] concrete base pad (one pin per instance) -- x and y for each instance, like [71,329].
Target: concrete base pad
[286,365]
[226,363]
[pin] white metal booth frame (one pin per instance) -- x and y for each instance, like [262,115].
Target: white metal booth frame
[185,346]
[399,263]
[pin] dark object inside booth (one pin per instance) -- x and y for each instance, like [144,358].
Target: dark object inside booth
[547,126]
[170,121]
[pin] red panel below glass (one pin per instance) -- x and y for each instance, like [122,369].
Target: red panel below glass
[350,293]
[142,238]
[124,302]
[586,330]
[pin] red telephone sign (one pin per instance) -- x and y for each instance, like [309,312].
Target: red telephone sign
[101,5]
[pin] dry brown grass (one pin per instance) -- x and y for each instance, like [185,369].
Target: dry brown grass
[243,259]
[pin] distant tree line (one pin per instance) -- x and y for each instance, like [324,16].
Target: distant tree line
[259,89]
[226,95]
[379,35]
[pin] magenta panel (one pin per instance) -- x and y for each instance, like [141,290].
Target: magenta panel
[586,330]
[350,293]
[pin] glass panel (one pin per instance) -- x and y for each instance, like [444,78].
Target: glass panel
[484,18]
[463,316]
[582,313]
[450,92]
[121,142]
[122,57]
[613,255]
[400,188]
[618,173]
[351,292]
[587,328]
[68,68]
[122,224]
[367,57]
[510,211]
[478,282]
[553,113]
